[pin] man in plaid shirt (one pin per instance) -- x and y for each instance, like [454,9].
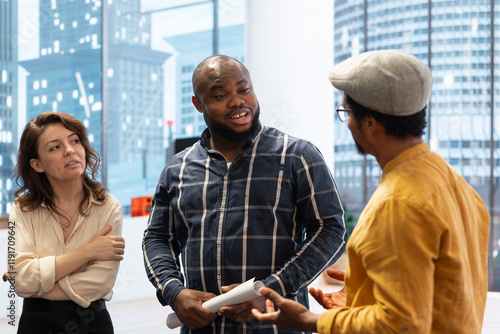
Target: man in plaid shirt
[244,201]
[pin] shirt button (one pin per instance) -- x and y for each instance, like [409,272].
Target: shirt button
[222,209]
[218,242]
[218,277]
[225,177]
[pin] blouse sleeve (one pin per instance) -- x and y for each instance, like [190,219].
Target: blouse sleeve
[35,275]
[98,278]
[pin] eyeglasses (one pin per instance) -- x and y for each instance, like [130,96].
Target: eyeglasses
[342,112]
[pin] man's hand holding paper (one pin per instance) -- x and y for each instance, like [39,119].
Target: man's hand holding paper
[187,307]
[190,307]
[242,312]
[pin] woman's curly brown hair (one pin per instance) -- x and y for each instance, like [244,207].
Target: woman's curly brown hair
[34,187]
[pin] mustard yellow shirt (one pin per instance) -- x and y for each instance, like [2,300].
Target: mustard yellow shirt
[39,239]
[418,256]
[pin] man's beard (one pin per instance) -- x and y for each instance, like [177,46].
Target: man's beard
[229,134]
[360,148]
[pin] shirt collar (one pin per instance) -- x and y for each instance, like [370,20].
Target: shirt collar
[405,156]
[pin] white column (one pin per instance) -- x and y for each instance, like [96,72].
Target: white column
[289,51]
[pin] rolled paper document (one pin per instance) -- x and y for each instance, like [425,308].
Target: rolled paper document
[240,294]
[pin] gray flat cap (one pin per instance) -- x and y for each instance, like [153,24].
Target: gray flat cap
[391,82]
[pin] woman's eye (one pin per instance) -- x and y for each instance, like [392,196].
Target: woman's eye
[53,148]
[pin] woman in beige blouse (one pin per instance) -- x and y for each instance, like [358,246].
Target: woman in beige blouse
[67,230]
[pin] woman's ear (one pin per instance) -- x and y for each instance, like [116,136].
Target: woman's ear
[35,164]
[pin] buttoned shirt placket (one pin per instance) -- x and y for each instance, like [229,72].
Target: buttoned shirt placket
[219,231]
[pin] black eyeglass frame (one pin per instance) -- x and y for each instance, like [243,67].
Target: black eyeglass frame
[342,113]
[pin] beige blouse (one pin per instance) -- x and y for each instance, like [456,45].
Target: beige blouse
[39,239]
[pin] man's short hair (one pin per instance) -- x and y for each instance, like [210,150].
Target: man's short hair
[196,78]
[397,126]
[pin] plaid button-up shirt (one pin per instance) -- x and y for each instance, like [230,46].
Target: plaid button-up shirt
[274,214]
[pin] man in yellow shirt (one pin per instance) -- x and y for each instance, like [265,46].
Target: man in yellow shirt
[418,256]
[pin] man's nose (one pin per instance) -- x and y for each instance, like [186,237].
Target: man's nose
[236,101]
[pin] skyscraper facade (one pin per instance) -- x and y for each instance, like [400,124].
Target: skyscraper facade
[456,40]
[8,101]
[68,77]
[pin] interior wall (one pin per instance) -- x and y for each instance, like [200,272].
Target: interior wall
[289,52]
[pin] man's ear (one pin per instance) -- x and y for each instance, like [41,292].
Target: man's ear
[366,123]
[197,103]
[370,125]
[35,164]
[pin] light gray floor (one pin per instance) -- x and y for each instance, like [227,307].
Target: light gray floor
[148,316]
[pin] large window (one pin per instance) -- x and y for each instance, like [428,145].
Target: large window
[455,39]
[123,67]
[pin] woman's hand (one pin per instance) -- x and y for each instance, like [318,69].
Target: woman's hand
[104,247]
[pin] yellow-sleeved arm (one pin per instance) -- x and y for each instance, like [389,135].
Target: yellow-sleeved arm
[96,280]
[390,281]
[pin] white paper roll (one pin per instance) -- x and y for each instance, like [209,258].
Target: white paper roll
[240,294]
